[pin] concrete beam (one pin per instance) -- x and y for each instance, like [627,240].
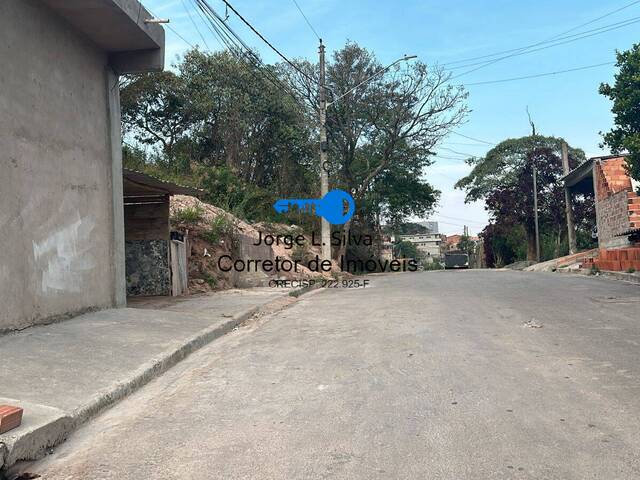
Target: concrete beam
[118,27]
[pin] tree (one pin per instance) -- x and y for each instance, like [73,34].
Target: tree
[467,245]
[625,94]
[156,111]
[503,178]
[226,126]
[405,249]
[381,135]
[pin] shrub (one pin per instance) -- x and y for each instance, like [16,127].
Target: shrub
[220,227]
[300,254]
[210,279]
[435,265]
[188,215]
[631,270]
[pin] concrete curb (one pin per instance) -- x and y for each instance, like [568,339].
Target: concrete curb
[152,369]
[626,277]
[29,448]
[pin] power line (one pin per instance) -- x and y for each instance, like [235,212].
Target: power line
[458,153]
[532,50]
[309,23]
[548,39]
[460,219]
[184,5]
[465,144]
[239,49]
[540,74]
[269,44]
[474,139]
[444,157]
[176,32]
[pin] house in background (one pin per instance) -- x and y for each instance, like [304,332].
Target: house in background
[427,243]
[617,210]
[61,190]
[451,242]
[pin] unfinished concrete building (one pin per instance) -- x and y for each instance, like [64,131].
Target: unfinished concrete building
[617,210]
[61,162]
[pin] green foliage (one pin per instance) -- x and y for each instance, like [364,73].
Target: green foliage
[210,279]
[219,124]
[405,249]
[467,245]
[301,254]
[625,94]
[503,178]
[220,228]
[187,215]
[429,266]
[382,135]
[631,270]
[503,245]
[405,228]
[594,269]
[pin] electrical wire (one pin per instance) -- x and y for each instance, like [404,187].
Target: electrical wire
[268,43]
[309,23]
[474,139]
[458,153]
[184,5]
[239,49]
[550,39]
[586,67]
[527,51]
[460,219]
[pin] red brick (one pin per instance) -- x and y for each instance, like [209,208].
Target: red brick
[10,418]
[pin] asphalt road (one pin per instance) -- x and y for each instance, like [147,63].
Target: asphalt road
[436,375]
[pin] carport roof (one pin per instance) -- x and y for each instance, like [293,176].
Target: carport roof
[579,174]
[140,184]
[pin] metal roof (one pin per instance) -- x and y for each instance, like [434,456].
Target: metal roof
[156,184]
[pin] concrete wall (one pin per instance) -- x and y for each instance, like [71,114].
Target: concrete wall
[56,202]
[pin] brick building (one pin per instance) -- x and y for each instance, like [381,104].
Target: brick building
[617,209]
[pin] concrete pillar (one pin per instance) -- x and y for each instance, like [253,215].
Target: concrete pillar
[117,201]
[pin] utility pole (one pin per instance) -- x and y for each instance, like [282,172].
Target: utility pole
[535,190]
[571,229]
[535,211]
[324,165]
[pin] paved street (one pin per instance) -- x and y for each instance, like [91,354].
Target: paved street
[437,375]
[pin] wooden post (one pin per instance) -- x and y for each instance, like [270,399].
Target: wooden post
[571,229]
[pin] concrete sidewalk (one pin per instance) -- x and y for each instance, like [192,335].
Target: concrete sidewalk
[64,373]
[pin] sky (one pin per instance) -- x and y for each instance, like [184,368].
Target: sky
[565,104]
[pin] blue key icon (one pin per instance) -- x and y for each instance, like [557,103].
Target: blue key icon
[331,207]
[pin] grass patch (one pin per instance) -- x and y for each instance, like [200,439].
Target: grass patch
[188,215]
[210,279]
